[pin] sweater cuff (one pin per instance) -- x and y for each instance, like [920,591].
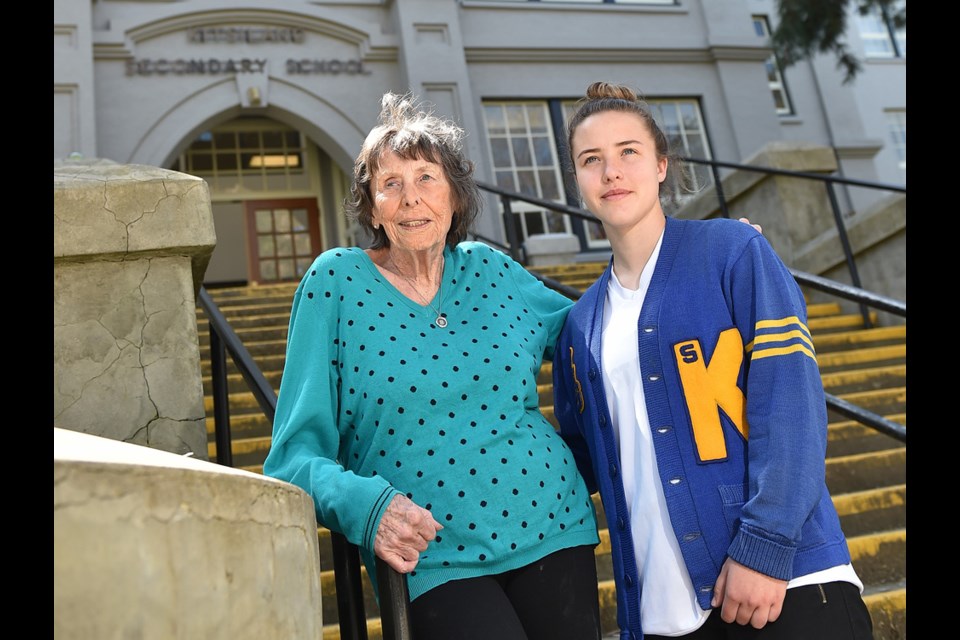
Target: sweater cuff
[373,522]
[762,554]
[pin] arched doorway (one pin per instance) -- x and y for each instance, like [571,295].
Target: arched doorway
[276,197]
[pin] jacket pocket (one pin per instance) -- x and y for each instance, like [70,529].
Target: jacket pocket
[732,497]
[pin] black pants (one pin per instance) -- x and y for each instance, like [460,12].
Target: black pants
[554,598]
[829,611]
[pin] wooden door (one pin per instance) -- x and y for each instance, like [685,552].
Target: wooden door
[283,238]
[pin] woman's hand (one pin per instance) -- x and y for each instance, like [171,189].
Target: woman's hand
[747,221]
[404,532]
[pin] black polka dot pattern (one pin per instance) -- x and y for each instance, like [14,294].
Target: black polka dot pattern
[450,417]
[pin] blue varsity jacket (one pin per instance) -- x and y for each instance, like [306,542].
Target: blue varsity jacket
[736,407]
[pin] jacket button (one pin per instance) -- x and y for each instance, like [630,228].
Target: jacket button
[662,430]
[690,537]
[621,523]
[613,471]
[603,421]
[653,378]
[592,374]
[674,481]
[628,580]
[648,329]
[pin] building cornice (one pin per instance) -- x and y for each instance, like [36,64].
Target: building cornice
[708,55]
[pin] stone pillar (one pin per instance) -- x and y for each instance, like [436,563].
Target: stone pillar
[130,246]
[151,545]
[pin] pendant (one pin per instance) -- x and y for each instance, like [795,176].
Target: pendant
[440,322]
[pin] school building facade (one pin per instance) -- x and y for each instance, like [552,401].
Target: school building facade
[269,102]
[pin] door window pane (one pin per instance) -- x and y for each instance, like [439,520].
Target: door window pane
[281,220]
[264,219]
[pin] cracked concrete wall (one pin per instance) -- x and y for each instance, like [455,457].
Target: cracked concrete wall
[131,243]
[153,546]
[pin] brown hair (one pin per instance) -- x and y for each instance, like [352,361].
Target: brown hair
[604,96]
[412,132]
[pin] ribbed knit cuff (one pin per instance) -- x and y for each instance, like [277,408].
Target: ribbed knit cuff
[769,557]
[373,522]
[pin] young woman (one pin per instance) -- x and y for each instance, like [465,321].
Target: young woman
[686,384]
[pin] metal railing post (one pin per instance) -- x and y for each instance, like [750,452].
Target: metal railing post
[346,573]
[221,397]
[718,186]
[394,603]
[510,225]
[847,250]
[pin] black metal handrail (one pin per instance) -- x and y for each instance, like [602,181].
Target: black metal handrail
[394,598]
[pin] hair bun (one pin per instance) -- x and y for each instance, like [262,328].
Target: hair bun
[607,90]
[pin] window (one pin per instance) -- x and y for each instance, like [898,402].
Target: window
[524,139]
[781,99]
[247,155]
[524,154]
[880,36]
[897,126]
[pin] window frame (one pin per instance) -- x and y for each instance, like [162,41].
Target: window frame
[782,103]
[897,129]
[879,37]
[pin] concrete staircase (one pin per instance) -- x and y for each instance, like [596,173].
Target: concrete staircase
[866,470]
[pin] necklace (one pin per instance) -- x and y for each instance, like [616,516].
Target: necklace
[441,320]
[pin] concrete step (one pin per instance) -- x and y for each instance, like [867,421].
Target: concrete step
[266,362]
[849,437]
[254,347]
[880,558]
[888,610]
[830,342]
[236,385]
[879,401]
[857,358]
[845,322]
[865,471]
[226,296]
[877,509]
[275,317]
[253,307]
[246,335]
[865,379]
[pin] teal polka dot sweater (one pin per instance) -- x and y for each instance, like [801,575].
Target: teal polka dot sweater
[376,399]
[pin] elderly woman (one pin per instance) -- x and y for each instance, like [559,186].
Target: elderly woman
[408,408]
